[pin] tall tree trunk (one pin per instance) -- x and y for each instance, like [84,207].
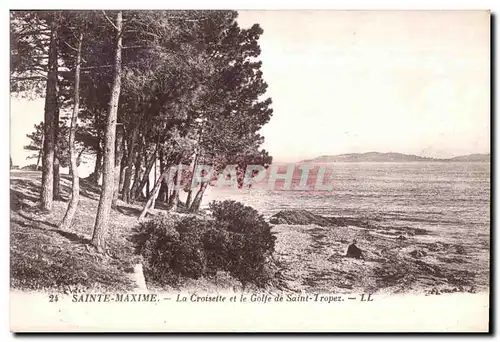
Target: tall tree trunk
[118,161]
[104,208]
[49,124]
[73,167]
[57,167]
[127,178]
[195,206]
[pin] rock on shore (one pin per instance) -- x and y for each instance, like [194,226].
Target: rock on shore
[304,217]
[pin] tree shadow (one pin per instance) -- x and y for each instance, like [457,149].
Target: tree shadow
[68,235]
[161,205]
[18,200]
[71,236]
[23,189]
[30,189]
[32,220]
[130,211]
[89,189]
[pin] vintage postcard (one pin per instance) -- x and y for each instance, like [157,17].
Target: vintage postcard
[250,171]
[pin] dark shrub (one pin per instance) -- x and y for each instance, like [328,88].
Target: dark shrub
[190,259]
[216,243]
[251,240]
[237,240]
[239,218]
[172,246]
[158,242]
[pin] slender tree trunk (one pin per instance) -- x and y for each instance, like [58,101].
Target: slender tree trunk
[162,195]
[40,154]
[73,167]
[145,176]
[188,198]
[152,196]
[104,207]
[197,155]
[173,201]
[127,178]
[118,161]
[79,158]
[38,159]
[49,124]
[137,176]
[190,192]
[165,186]
[123,164]
[98,166]
[195,206]
[155,175]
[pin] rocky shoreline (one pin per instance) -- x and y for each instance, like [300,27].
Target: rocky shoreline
[310,256]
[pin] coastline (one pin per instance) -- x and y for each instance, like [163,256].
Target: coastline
[312,258]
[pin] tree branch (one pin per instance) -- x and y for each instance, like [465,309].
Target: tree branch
[25,78]
[71,47]
[109,20]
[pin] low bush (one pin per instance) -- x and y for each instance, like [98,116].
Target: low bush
[235,239]
[157,242]
[251,241]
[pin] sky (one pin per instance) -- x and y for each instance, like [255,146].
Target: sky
[354,81]
[388,81]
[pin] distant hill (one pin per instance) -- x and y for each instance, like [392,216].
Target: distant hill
[392,157]
[473,158]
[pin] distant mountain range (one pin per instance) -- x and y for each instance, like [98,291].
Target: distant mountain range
[393,157]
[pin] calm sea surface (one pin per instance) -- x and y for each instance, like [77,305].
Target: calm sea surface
[452,198]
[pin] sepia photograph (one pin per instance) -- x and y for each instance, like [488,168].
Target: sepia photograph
[215,170]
